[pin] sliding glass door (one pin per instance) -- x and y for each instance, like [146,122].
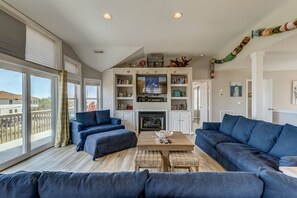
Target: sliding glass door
[12,121]
[27,113]
[41,111]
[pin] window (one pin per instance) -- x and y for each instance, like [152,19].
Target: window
[73,90]
[15,110]
[40,49]
[92,94]
[11,139]
[72,67]
[28,132]
[41,114]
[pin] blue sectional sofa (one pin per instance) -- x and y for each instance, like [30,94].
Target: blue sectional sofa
[254,148]
[269,184]
[129,184]
[89,123]
[241,144]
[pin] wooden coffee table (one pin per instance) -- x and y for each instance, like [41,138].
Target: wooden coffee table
[149,141]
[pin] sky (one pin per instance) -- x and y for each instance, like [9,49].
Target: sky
[11,81]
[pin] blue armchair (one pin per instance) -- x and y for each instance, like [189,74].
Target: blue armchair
[89,123]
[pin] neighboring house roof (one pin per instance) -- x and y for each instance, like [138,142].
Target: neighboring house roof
[4,95]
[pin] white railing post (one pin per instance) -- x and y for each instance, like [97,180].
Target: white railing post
[11,124]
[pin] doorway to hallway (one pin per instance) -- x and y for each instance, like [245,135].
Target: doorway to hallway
[201,102]
[267,100]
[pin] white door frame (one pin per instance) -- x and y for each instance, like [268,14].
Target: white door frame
[268,100]
[247,97]
[209,85]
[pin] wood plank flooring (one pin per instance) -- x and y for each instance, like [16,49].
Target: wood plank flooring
[67,159]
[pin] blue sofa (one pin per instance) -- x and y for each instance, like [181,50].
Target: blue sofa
[89,123]
[129,184]
[241,144]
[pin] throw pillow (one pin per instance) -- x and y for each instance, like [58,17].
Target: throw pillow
[103,117]
[243,129]
[228,123]
[286,143]
[264,136]
[86,118]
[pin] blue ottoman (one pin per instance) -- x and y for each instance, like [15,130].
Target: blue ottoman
[101,144]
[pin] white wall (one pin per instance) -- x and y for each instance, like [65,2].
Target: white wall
[282,94]
[282,89]
[285,117]
[285,111]
[224,101]
[108,89]
[201,68]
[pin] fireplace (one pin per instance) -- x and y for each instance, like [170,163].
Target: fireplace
[151,120]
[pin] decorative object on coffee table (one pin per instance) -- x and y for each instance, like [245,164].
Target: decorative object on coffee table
[163,133]
[148,159]
[181,159]
[149,142]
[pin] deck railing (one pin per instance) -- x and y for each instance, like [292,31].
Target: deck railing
[11,125]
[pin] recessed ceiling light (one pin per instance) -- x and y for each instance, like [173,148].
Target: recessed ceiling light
[202,55]
[107,16]
[178,15]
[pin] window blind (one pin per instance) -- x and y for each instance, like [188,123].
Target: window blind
[12,36]
[92,83]
[73,81]
[71,67]
[40,49]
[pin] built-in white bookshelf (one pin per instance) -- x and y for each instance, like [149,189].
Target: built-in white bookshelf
[124,92]
[125,103]
[179,84]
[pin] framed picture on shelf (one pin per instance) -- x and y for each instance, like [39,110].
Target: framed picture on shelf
[294,92]
[235,89]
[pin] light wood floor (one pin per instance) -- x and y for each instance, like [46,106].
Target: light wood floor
[67,159]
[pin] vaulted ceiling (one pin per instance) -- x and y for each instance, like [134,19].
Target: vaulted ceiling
[147,25]
[280,56]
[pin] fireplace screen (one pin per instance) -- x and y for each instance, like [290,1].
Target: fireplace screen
[152,121]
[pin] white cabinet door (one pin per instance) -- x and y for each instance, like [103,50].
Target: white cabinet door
[185,123]
[129,121]
[174,124]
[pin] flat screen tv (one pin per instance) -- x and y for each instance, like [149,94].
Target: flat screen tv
[151,84]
